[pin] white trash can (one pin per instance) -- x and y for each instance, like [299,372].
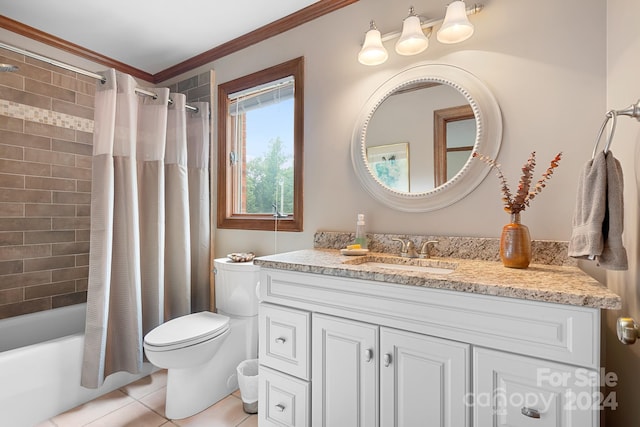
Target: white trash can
[248,382]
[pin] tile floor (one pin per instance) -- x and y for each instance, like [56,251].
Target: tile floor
[141,404]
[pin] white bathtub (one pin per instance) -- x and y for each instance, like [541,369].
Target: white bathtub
[40,363]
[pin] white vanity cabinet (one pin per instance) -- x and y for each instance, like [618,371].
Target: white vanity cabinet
[387,355]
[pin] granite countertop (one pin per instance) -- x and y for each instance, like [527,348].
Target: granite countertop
[540,282]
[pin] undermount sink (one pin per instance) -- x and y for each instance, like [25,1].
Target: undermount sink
[418,265]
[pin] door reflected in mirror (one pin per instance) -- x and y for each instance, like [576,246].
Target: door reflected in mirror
[454,134]
[408,116]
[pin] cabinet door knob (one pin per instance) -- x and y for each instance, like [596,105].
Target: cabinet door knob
[280,407]
[530,412]
[387,360]
[280,340]
[368,355]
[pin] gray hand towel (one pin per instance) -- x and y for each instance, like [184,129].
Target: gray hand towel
[614,255]
[587,240]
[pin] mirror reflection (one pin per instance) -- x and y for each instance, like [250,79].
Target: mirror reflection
[420,136]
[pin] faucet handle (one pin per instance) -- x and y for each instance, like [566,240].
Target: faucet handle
[424,251]
[403,249]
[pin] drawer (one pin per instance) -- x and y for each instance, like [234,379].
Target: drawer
[513,390]
[282,400]
[284,339]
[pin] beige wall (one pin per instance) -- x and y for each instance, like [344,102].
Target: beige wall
[623,89]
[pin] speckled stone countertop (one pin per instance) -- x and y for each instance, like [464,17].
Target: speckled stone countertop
[540,282]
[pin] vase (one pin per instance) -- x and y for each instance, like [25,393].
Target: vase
[515,244]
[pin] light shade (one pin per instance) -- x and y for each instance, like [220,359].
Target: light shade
[456,26]
[412,40]
[372,52]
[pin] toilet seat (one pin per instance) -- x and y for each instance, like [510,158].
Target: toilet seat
[186,331]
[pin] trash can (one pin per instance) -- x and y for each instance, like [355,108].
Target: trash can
[248,382]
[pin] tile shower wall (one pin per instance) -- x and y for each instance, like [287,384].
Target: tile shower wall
[46,125]
[197,88]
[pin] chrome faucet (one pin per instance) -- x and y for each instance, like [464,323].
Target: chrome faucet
[424,251]
[408,249]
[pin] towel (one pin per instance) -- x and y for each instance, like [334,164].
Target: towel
[614,255]
[598,217]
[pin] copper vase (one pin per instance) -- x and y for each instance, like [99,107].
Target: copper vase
[515,244]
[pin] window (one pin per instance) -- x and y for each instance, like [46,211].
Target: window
[260,149]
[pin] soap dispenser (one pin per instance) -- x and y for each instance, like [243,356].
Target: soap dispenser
[361,238]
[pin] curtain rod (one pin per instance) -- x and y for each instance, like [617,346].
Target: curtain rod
[81,71]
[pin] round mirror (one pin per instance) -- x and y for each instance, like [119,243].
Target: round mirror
[412,143]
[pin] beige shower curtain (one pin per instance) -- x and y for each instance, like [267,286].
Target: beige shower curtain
[140,247]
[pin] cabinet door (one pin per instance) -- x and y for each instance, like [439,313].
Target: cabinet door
[344,389]
[512,390]
[423,380]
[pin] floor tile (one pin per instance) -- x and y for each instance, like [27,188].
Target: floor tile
[133,415]
[252,421]
[226,413]
[92,410]
[156,401]
[146,385]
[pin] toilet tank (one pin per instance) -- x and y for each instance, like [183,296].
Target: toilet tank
[235,284]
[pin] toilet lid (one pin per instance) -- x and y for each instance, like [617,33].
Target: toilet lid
[189,328]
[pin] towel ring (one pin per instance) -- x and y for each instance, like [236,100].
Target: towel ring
[613,116]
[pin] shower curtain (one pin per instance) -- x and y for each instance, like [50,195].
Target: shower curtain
[141,245]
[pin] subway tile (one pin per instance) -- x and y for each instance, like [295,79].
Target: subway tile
[11,124]
[83,210]
[82,260]
[22,224]
[27,196]
[8,253]
[85,162]
[37,70]
[82,285]
[25,307]
[71,223]
[10,281]
[68,299]
[70,248]
[72,147]
[11,152]
[82,235]
[198,92]
[49,210]
[34,237]
[85,100]
[71,198]
[69,273]
[11,296]
[49,263]
[45,89]
[204,78]
[11,267]
[11,209]
[50,183]
[84,137]
[49,157]
[12,80]
[65,81]
[70,172]
[41,129]
[187,84]
[46,67]
[26,98]
[83,186]
[14,56]
[11,238]
[48,290]
[23,140]
[25,168]
[72,109]
[11,181]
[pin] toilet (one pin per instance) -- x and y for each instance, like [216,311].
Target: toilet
[202,350]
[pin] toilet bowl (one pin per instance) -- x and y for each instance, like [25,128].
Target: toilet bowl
[202,350]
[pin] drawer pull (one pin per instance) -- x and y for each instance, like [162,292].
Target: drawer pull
[530,412]
[280,340]
[368,355]
[387,360]
[280,407]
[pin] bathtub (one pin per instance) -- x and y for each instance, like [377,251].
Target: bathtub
[40,363]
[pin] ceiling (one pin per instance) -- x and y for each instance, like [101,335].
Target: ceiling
[150,36]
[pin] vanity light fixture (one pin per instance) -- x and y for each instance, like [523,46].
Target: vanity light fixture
[413,38]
